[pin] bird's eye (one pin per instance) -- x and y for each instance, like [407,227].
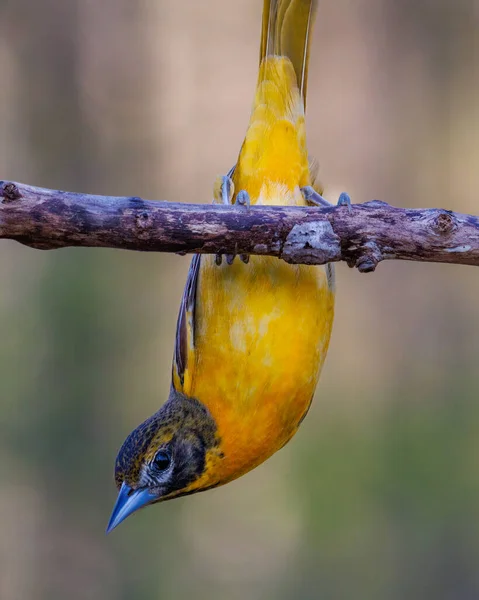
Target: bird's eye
[162,460]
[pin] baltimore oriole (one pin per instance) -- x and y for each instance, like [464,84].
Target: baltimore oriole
[251,335]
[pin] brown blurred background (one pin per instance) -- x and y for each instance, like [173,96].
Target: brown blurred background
[378,495]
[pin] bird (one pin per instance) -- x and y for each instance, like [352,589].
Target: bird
[252,331]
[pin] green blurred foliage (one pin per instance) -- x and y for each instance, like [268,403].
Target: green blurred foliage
[378,495]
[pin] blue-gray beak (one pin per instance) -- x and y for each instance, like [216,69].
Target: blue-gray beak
[128,502]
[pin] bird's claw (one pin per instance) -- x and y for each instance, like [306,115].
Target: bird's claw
[345,200]
[242,199]
[312,197]
[223,194]
[230,258]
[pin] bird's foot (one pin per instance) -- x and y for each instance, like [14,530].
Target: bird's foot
[312,197]
[223,194]
[243,200]
[344,200]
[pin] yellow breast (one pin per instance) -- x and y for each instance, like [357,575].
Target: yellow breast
[262,333]
[261,330]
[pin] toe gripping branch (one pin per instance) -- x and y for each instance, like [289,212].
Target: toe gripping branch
[312,197]
[224,193]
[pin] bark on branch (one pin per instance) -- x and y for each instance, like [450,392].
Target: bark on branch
[362,235]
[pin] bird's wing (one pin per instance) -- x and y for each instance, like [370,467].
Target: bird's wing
[185,327]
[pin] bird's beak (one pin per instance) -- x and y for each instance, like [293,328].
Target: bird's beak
[128,502]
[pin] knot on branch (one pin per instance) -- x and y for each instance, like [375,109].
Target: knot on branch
[444,222]
[144,222]
[369,255]
[313,243]
[10,192]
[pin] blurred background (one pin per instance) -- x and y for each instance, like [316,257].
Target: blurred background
[378,495]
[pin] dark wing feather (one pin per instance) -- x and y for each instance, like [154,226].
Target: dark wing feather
[186,318]
[187,311]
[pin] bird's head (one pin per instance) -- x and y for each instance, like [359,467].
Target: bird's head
[170,454]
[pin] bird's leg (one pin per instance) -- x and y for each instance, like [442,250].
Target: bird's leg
[312,197]
[223,194]
[223,191]
[242,199]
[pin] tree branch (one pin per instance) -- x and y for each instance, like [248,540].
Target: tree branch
[361,235]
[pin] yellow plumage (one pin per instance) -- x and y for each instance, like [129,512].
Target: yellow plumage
[262,329]
[251,338]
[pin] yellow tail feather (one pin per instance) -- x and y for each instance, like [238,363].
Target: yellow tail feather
[273,163]
[286,32]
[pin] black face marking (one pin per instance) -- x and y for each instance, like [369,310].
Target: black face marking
[190,432]
[189,453]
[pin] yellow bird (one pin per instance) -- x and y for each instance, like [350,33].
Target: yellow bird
[252,335]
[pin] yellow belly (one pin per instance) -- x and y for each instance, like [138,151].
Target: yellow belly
[262,332]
